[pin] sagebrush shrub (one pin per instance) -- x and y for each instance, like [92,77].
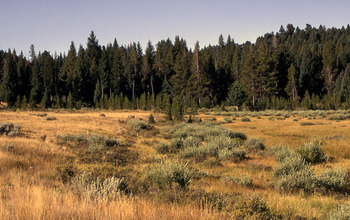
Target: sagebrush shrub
[97,188]
[138,125]
[166,174]
[245,119]
[341,212]
[312,152]
[254,144]
[9,129]
[336,179]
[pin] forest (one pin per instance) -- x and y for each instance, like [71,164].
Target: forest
[291,69]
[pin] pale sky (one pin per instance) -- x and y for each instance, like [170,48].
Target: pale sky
[52,24]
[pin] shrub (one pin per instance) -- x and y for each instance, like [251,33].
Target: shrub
[9,129]
[225,154]
[312,153]
[252,207]
[228,120]
[162,148]
[254,144]
[333,180]
[166,174]
[245,119]
[50,118]
[290,165]
[151,119]
[338,117]
[138,125]
[7,147]
[306,123]
[341,212]
[65,172]
[301,179]
[97,188]
[110,142]
[91,143]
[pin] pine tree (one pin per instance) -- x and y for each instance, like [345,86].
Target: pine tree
[236,95]
[177,109]
[291,87]
[166,107]
[70,101]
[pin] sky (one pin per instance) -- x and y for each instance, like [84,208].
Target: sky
[53,24]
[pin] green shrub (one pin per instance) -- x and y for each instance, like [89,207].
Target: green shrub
[138,125]
[151,119]
[162,148]
[290,165]
[50,118]
[283,152]
[9,129]
[7,147]
[166,174]
[295,180]
[339,117]
[254,144]
[245,119]
[97,188]
[228,120]
[231,154]
[312,153]
[341,212]
[252,207]
[307,123]
[91,143]
[333,180]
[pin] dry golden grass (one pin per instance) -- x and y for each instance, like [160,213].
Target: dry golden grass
[29,188]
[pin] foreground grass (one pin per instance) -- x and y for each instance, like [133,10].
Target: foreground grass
[33,185]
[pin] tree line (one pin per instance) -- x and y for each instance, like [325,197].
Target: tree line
[291,69]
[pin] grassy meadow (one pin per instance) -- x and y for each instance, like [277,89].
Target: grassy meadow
[230,165]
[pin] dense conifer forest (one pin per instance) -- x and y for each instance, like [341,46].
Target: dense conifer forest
[292,69]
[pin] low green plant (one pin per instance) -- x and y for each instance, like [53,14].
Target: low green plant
[341,212]
[312,152]
[254,144]
[138,125]
[166,174]
[9,129]
[97,188]
[336,180]
[307,123]
[151,119]
[245,119]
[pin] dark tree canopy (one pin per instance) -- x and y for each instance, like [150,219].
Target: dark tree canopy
[293,68]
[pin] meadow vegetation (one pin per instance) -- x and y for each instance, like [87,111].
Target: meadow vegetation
[85,166]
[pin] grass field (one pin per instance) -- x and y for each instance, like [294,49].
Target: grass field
[40,166]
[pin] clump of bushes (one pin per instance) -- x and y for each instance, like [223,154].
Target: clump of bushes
[254,144]
[9,129]
[97,188]
[50,118]
[307,123]
[339,117]
[336,180]
[138,125]
[165,175]
[151,119]
[312,153]
[91,143]
[294,173]
[201,140]
[245,119]
[341,212]
[7,147]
